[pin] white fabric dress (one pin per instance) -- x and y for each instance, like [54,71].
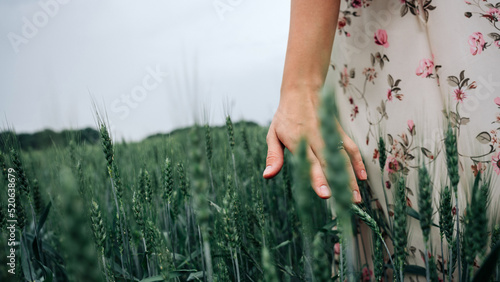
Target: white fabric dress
[396,65]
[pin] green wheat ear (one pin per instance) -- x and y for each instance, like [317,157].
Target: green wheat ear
[37,197]
[97,226]
[230,132]
[168,181]
[382,153]
[476,222]
[425,208]
[228,216]
[107,144]
[445,214]
[3,167]
[183,181]
[400,227]
[208,143]
[450,143]
[425,201]
[22,180]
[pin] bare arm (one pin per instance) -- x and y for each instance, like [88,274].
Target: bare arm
[312,30]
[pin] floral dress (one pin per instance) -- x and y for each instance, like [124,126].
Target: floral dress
[401,71]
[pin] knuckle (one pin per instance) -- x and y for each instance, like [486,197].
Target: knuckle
[354,185]
[268,138]
[318,180]
[358,164]
[272,157]
[354,150]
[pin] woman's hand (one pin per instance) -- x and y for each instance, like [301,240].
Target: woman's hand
[312,31]
[295,118]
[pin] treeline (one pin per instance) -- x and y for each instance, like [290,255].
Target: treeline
[43,139]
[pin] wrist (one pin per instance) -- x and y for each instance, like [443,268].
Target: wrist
[300,96]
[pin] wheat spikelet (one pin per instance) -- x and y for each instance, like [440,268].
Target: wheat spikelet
[445,215]
[425,202]
[22,180]
[208,143]
[230,132]
[3,167]
[168,182]
[97,226]
[37,198]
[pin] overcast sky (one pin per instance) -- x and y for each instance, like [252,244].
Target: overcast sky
[153,65]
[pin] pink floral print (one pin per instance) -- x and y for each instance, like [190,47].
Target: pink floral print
[411,127]
[459,95]
[425,68]
[493,15]
[497,101]
[495,161]
[381,38]
[476,43]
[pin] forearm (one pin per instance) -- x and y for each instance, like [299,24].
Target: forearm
[312,30]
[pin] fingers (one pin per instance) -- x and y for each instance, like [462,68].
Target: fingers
[274,159]
[318,178]
[356,160]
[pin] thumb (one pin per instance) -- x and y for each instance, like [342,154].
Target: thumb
[274,159]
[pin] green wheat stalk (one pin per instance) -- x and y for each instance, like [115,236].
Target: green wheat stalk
[451,149]
[302,188]
[201,198]
[425,210]
[476,222]
[400,229]
[446,224]
[370,222]
[336,174]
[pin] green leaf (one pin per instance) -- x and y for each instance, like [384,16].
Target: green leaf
[282,244]
[328,227]
[488,268]
[192,256]
[415,269]
[27,267]
[47,273]
[34,246]
[413,213]
[195,276]
[43,218]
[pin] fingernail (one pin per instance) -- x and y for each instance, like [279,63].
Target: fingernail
[267,170]
[363,175]
[325,191]
[357,197]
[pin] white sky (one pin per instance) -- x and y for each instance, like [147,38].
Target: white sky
[88,50]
